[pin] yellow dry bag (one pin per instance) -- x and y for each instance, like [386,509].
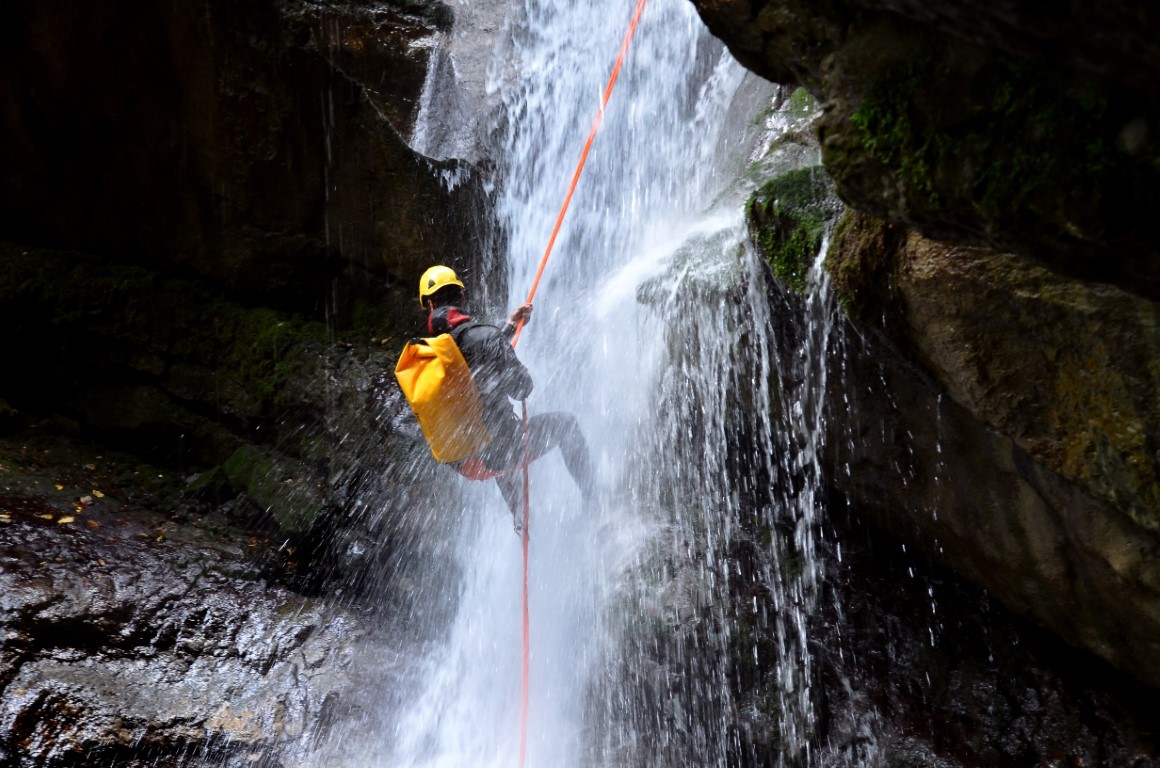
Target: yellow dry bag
[437,382]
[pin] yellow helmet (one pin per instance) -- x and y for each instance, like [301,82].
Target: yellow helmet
[434,279]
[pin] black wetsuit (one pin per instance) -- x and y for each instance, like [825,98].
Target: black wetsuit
[500,378]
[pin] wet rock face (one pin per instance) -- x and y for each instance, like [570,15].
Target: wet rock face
[998,408]
[249,225]
[382,46]
[1005,417]
[1112,38]
[143,626]
[124,640]
[917,668]
[1012,129]
[241,143]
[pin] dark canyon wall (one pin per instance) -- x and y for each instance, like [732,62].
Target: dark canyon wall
[257,145]
[210,229]
[201,201]
[999,269]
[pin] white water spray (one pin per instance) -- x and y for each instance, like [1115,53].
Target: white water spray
[651,326]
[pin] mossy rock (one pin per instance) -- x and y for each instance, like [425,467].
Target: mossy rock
[788,218]
[860,262]
[124,349]
[986,149]
[286,490]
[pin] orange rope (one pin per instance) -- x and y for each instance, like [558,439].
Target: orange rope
[527,625]
[515,339]
[583,160]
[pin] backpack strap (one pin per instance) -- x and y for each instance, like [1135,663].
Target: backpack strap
[455,333]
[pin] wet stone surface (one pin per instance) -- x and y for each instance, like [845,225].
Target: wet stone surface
[919,669]
[127,635]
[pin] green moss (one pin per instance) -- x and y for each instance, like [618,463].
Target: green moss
[860,243]
[787,220]
[275,488]
[802,103]
[892,123]
[263,354]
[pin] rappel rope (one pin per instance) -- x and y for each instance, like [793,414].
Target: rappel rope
[515,339]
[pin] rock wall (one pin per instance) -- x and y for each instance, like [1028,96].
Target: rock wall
[209,212]
[918,668]
[999,404]
[967,126]
[237,143]
[118,651]
[1016,411]
[210,228]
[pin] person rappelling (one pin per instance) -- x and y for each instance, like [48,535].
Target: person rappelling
[461,384]
[462,380]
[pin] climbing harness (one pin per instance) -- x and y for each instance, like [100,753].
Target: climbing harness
[515,339]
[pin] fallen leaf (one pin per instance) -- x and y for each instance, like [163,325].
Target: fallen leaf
[98,494]
[46,517]
[59,487]
[102,562]
[66,519]
[86,500]
[160,537]
[92,524]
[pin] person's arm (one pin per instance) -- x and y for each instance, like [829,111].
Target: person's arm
[513,378]
[494,364]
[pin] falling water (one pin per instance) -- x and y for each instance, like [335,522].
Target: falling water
[652,327]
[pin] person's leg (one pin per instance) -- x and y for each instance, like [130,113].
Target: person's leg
[549,430]
[511,486]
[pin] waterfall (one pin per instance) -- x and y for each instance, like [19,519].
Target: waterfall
[652,326]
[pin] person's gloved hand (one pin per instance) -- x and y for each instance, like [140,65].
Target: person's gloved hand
[523,313]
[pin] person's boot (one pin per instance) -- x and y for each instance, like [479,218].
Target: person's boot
[518,523]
